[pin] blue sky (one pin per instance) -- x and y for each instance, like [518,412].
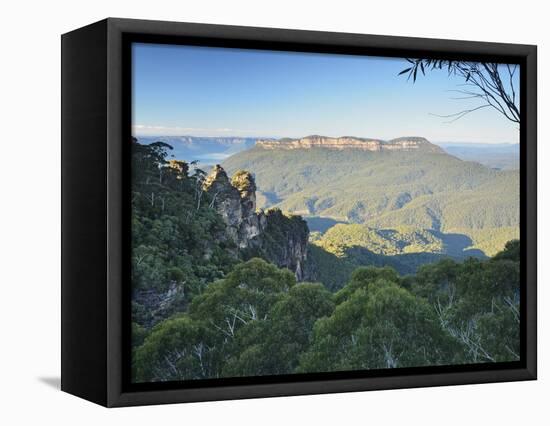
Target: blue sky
[203,91]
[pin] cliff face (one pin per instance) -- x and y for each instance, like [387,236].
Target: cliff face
[236,203]
[271,235]
[349,142]
[157,305]
[284,242]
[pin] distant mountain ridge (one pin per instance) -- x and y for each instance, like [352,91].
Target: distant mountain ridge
[502,156]
[205,149]
[210,150]
[408,143]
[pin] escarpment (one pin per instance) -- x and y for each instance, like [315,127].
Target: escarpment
[271,235]
[412,143]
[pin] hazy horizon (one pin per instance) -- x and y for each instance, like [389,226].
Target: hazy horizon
[206,91]
[136,135]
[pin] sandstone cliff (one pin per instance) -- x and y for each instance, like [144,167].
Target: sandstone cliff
[350,142]
[271,235]
[236,203]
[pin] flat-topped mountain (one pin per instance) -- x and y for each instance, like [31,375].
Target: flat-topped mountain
[422,187]
[412,143]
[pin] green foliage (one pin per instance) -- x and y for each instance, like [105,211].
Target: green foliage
[246,294]
[477,303]
[346,247]
[327,268]
[511,251]
[361,278]
[379,241]
[139,334]
[177,349]
[177,239]
[389,190]
[258,321]
[381,326]
[273,346]
[434,281]
[491,240]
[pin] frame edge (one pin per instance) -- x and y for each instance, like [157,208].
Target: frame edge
[116,396]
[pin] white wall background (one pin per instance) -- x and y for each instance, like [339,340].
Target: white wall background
[30,211]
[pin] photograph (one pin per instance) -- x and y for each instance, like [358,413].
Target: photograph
[295,213]
[275,213]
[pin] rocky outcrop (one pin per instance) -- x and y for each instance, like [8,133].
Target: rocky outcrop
[271,235]
[284,242]
[156,305]
[235,201]
[350,142]
[411,143]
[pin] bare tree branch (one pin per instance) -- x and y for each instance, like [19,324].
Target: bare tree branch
[460,114]
[484,80]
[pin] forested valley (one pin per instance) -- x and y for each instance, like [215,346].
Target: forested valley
[218,296]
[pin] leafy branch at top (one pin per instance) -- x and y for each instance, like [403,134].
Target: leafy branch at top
[493,84]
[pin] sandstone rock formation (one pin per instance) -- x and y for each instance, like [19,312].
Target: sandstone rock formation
[271,235]
[350,142]
[236,203]
[284,242]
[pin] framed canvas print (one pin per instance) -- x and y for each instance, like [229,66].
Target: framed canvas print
[253,212]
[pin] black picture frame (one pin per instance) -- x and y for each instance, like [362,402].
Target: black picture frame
[95,210]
